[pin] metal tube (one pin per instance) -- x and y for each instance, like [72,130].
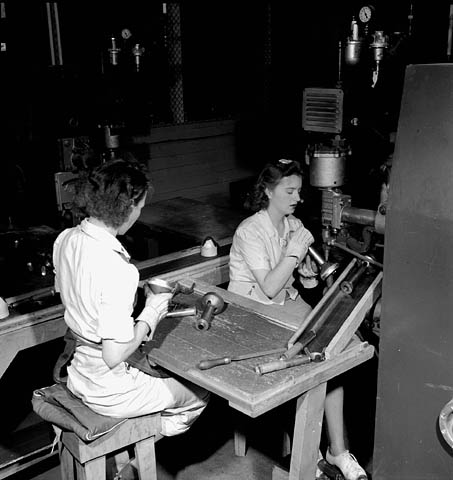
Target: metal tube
[316,256]
[356,254]
[182,312]
[347,285]
[358,215]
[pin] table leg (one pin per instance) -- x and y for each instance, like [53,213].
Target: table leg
[241,423]
[307,433]
[8,351]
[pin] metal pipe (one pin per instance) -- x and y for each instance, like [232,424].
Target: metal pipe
[325,268]
[182,312]
[365,258]
[358,215]
[347,285]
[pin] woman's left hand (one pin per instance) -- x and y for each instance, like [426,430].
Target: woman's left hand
[308,268]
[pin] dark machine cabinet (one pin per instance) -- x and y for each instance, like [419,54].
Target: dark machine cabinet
[416,346]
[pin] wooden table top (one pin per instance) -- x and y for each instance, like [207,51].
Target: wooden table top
[192,219]
[178,346]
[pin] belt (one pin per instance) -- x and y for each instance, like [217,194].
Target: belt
[138,359]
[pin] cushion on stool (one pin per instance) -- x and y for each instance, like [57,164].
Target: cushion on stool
[59,406]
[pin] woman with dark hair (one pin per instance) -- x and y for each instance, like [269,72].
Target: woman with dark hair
[272,243]
[98,285]
[267,248]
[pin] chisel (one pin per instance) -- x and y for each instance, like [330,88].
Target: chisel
[214,362]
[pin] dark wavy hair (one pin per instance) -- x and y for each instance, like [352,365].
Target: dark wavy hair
[270,177]
[110,190]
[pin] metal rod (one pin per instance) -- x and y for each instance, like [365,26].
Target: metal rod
[356,254]
[347,285]
[358,215]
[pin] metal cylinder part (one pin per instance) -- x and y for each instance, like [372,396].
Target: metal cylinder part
[326,268]
[358,215]
[352,52]
[379,45]
[111,141]
[327,169]
[204,322]
[212,304]
[348,284]
[182,312]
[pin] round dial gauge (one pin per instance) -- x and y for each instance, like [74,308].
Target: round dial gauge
[365,13]
[126,33]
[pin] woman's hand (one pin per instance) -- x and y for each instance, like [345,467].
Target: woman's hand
[308,268]
[308,271]
[156,307]
[299,243]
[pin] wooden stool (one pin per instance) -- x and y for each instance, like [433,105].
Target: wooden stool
[90,458]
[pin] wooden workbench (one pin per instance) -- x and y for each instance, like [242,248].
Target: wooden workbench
[178,347]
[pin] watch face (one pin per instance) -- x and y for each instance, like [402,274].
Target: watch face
[365,14]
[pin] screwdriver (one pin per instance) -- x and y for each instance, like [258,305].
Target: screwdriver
[215,362]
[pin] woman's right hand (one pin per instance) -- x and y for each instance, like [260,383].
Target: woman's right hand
[299,243]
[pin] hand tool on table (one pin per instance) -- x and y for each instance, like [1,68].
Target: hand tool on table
[215,362]
[292,362]
[182,312]
[212,305]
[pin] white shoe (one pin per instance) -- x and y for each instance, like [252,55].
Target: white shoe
[348,465]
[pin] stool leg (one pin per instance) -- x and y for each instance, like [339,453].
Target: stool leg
[146,459]
[240,443]
[92,470]
[286,444]
[66,464]
[116,463]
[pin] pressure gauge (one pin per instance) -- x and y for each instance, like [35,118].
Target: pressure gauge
[365,13]
[126,33]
